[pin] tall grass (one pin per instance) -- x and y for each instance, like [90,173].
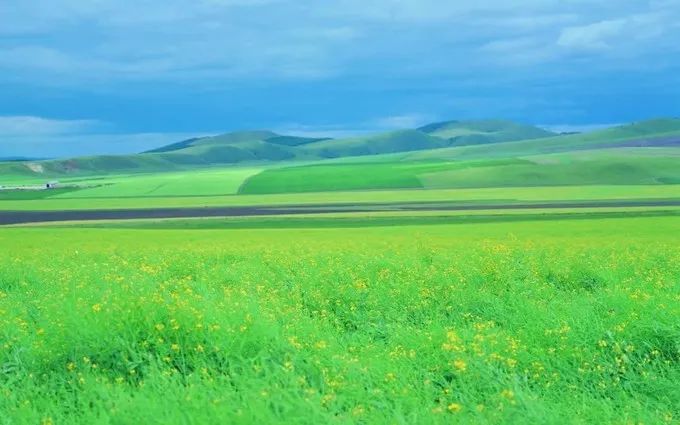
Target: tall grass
[408,325]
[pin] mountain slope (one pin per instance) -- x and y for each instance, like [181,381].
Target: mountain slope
[394,141]
[224,149]
[651,133]
[241,138]
[647,152]
[175,146]
[619,166]
[461,133]
[452,140]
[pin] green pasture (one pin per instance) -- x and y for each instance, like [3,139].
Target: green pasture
[496,195]
[567,321]
[562,170]
[601,139]
[599,167]
[211,182]
[376,219]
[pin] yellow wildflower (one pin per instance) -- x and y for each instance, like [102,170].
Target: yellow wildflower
[454,407]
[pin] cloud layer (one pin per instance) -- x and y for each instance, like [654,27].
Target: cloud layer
[166,66]
[76,42]
[46,138]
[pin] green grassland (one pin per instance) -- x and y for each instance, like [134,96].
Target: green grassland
[233,149]
[211,182]
[432,157]
[603,157]
[262,147]
[353,219]
[550,315]
[396,141]
[568,321]
[62,200]
[607,138]
[460,133]
[627,166]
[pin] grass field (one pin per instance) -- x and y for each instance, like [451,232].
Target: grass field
[60,200]
[387,218]
[554,298]
[458,154]
[629,166]
[226,181]
[544,322]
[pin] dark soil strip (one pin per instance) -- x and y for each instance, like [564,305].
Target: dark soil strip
[320,221]
[21,217]
[663,142]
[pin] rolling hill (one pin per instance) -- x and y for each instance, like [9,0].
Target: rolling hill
[226,149]
[266,147]
[451,141]
[646,152]
[391,142]
[461,133]
[652,133]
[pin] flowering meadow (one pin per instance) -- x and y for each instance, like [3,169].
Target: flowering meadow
[573,321]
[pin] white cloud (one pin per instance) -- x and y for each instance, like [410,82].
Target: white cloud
[593,36]
[394,122]
[32,136]
[75,42]
[402,121]
[431,52]
[578,128]
[321,131]
[12,126]
[70,145]
[618,39]
[519,51]
[630,33]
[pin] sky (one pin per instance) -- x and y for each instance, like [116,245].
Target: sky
[80,77]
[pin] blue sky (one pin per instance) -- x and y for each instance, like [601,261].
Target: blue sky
[112,76]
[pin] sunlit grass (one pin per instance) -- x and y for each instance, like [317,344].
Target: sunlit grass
[547,322]
[497,195]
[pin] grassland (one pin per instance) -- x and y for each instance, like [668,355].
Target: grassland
[261,147]
[568,321]
[211,182]
[387,218]
[61,200]
[556,301]
[450,141]
[630,166]
[439,156]
[627,166]
[461,133]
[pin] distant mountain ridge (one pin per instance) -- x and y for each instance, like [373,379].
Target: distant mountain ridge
[263,146]
[463,133]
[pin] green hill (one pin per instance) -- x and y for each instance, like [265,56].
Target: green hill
[394,141]
[237,139]
[622,166]
[226,149]
[447,141]
[461,133]
[658,132]
[646,152]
